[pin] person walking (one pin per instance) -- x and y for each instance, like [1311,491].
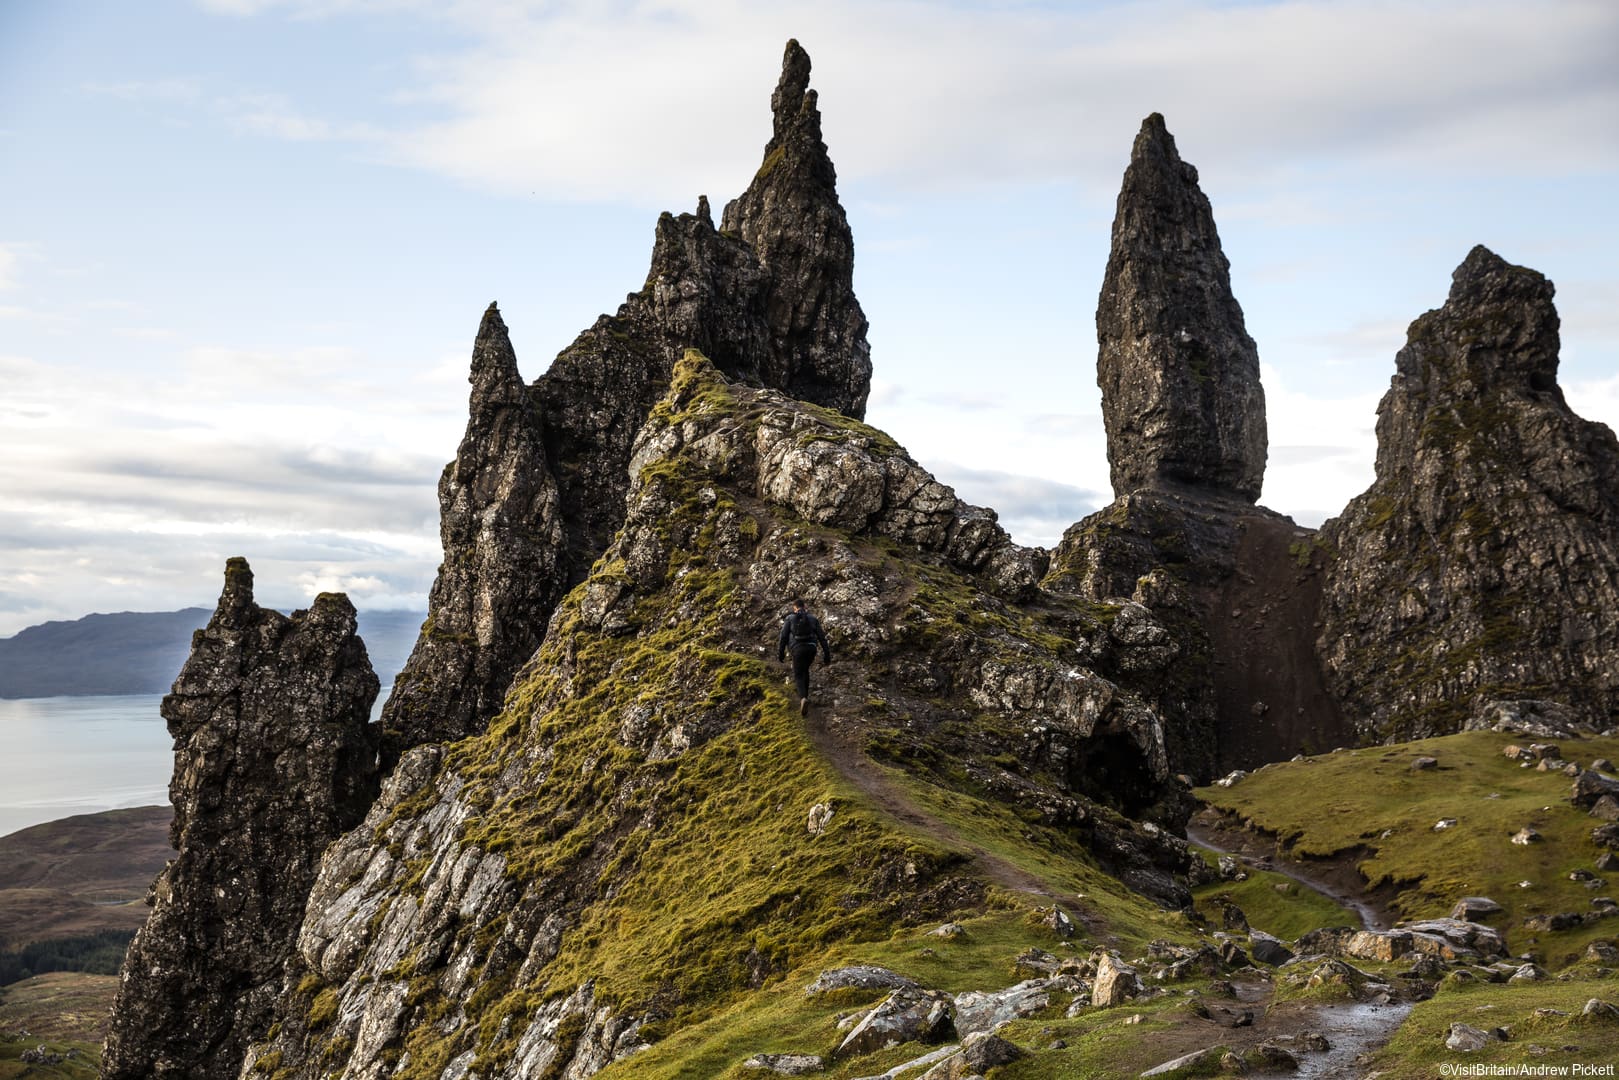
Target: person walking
[802,632]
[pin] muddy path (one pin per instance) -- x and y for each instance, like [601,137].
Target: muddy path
[1373,916]
[836,734]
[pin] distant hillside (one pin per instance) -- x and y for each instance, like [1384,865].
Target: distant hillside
[135,652]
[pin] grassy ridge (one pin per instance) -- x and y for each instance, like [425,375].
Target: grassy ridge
[65,1012]
[1371,800]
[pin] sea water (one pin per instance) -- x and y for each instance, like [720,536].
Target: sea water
[62,756]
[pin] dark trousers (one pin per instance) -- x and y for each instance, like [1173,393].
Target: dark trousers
[803,657]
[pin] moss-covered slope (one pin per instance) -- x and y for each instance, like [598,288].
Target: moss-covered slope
[1371,807]
[640,843]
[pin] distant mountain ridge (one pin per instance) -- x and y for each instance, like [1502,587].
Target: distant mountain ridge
[140,652]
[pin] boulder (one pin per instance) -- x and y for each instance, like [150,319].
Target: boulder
[1116,982]
[1267,949]
[980,1011]
[905,1015]
[786,1064]
[1466,1038]
[1597,1009]
[1382,945]
[1475,908]
[859,977]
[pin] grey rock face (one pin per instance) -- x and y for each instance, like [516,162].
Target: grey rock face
[1483,563]
[501,526]
[538,486]
[1235,589]
[1181,397]
[273,761]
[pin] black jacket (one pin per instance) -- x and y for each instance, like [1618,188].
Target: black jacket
[802,628]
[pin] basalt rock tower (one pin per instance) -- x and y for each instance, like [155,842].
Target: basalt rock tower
[274,759]
[1185,419]
[1181,397]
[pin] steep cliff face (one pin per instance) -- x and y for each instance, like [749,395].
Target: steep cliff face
[1185,417]
[650,829]
[1181,397]
[273,761]
[1483,562]
[769,299]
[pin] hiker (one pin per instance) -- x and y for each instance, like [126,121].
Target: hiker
[802,631]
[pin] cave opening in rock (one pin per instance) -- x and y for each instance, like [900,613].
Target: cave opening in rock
[1110,768]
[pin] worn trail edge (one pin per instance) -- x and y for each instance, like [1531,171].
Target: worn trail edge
[832,733]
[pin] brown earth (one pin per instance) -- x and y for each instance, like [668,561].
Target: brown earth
[80,875]
[62,1006]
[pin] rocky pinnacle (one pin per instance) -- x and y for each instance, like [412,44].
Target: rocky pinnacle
[1483,563]
[273,760]
[790,216]
[1181,398]
[537,489]
[502,534]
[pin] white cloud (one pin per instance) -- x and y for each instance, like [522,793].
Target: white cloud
[9,259]
[274,116]
[933,96]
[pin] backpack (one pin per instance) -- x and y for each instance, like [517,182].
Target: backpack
[801,628]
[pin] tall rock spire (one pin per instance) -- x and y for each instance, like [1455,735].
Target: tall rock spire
[1482,565]
[790,216]
[502,533]
[273,760]
[1181,398]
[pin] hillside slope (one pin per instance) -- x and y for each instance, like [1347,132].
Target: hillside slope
[649,829]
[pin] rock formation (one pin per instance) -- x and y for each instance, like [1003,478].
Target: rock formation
[518,882]
[502,532]
[1181,398]
[790,216]
[273,761]
[1483,562]
[769,299]
[1234,584]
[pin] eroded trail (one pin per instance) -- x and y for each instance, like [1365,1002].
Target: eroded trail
[836,736]
[1372,917]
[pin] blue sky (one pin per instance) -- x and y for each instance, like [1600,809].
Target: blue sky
[244,244]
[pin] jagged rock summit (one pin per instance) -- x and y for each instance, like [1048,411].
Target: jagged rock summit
[501,525]
[1181,397]
[538,485]
[274,759]
[1483,562]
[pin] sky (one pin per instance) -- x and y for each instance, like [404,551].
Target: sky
[245,244]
